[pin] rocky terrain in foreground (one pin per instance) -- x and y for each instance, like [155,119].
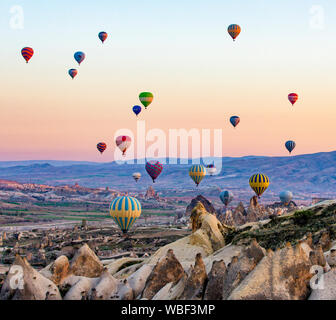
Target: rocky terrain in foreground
[279,258]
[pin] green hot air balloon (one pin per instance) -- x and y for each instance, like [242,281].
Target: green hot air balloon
[146,98]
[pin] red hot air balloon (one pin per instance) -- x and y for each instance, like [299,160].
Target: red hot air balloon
[101,146]
[154,168]
[27,53]
[293,97]
[123,143]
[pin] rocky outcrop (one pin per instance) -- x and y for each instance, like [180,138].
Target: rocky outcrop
[281,275]
[326,289]
[207,237]
[151,194]
[204,201]
[85,263]
[25,283]
[214,289]
[196,281]
[167,270]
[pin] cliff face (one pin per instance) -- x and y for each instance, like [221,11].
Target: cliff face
[204,201]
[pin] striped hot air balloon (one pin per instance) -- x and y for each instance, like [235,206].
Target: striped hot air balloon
[293,97]
[259,183]
[290,145]
[197,173]
[101,146]
[146,98]
[123,143]
[125,211]
[234,31]
[234,120]
[27,53]
[226,197]
[73,73]
[154,169]
[102,36]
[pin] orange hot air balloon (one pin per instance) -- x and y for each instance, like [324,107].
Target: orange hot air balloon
[123,143]
[234,31]
[27,53]
[293,97]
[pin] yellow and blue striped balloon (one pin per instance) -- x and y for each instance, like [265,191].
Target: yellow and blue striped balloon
[197,173]
[125,211]
[259,183]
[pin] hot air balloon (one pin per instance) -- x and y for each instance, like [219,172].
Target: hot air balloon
[79,57]
[293,97]
[226,197]
[146,98]
[73,73]
[211,169]
[27,53]
[286,197]
[125,211]
[197,173]
[234,31]
[235,120]
[102,36]
[259,183]
[136,110]
[154,168]
[136,176]
[123,143]
[290,145]
[101,146]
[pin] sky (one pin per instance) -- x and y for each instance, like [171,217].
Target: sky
[181,52]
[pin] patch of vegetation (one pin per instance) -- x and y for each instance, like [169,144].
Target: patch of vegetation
[280,230]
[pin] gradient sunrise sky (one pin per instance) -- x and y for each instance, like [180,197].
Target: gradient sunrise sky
[180,51]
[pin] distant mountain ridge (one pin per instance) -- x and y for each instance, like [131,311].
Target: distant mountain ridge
[314,174]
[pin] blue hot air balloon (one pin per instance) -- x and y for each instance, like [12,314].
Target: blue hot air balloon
[79,57]
[290,145]
[234,120]
[226,197]
[286,197]
[136,110]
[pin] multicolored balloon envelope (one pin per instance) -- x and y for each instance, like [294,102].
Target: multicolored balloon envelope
[101,146]
[290,145]
[125,211]
[146,98]
[211,169]
[73,73]
[102,36]
[259,183]
[154,169]
[197,172]
[234,31]
[27,53]
[286,197]
[79,56]
[234,120]
[123,143]
[136,110]
[136,176]
[293,97]
[226,197]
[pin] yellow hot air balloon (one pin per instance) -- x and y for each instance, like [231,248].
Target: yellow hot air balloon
[124,211]
[197,173]
[259,183]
